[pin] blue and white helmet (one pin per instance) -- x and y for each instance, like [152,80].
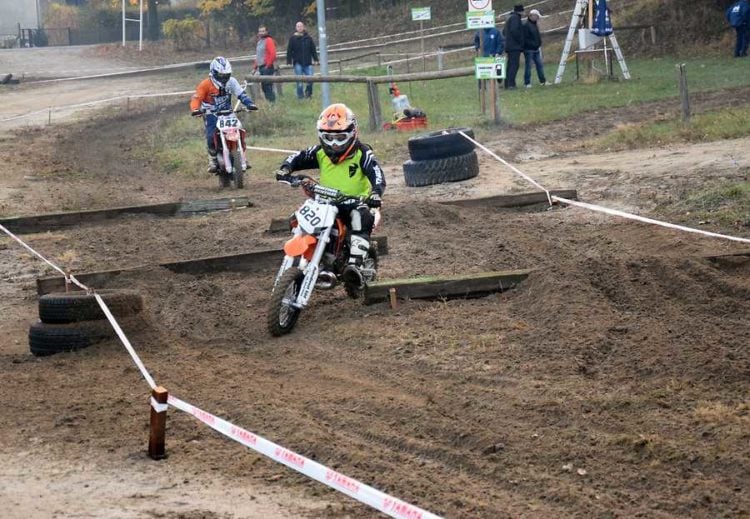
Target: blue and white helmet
[221,71]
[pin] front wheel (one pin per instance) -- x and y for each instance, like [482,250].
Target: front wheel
[239,175]
[282,316]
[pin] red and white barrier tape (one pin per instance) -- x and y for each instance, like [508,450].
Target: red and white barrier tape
[602,209]
[353,488]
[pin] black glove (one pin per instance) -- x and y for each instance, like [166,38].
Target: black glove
[375,201]
[196,113]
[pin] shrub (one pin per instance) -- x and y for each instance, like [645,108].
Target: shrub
[185,34]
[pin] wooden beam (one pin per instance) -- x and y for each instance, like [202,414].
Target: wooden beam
[520,200]
[468,285]
[54,221]
[246,262]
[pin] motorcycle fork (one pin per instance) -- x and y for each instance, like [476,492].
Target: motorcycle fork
[225,152]
[312,270]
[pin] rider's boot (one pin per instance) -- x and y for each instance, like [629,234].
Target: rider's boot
[359,246]
[213,164]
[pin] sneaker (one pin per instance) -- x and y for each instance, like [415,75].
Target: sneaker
[528,86]
[352,276]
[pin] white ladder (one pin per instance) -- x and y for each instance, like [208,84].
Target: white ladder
[575,23]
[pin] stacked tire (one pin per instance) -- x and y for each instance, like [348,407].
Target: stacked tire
[74,320]
[441,156]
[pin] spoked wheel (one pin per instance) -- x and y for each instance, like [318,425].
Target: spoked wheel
[370,263]
[239,175]
[282,316]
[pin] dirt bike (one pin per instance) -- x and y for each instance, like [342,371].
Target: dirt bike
[316,255]
[230,144]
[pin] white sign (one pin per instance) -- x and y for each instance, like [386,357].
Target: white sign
[420,13]
[479,19]
[489,68]
[480,5]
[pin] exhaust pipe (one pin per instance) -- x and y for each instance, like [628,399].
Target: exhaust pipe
[326,280]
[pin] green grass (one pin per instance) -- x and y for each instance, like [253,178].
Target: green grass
[726,205]
[290,123]
[728,123]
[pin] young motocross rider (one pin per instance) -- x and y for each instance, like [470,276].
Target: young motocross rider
[215,93]
[350,166]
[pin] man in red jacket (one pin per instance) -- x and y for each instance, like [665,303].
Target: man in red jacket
[265,57]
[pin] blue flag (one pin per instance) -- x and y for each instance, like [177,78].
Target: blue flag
[602,23]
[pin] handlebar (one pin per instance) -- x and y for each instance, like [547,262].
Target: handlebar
[209,111]
[330,193]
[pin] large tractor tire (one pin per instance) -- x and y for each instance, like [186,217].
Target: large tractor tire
[73,307]
[452,169]
[441,144]
[48,339]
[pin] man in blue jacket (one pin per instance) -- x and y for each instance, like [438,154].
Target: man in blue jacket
[493,43]
[738,16]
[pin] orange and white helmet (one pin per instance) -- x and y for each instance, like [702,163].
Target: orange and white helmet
[337,130]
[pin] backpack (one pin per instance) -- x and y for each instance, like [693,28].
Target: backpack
[737,13]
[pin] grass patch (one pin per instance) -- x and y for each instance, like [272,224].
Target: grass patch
[729,123]
[290,123]
[726,205]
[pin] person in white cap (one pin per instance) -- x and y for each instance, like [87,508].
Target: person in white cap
[532,42]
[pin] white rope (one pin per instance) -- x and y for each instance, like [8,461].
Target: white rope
[606,210]
[277,150]
[125,341]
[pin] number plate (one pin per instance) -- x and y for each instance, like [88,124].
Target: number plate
[228,121]
[314,216]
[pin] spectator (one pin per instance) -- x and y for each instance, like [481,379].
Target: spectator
[513,45]
[301,53]
[265,57]
[493,43]
[738,16]
[532,42]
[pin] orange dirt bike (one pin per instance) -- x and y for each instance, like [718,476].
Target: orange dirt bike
[229,141]
[316,255]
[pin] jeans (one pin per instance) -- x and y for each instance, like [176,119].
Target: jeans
[514,61]
[740,49]
[533,56]
[267,87]
[303,70]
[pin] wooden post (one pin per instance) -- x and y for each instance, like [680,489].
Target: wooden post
[494,112]
[49,118]
[393,297]
[682,79]
[156,449]
[376,119]
[421,32]
[653,34]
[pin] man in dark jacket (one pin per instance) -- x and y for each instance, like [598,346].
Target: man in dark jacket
[738,16]
[301,53]
[493,43]
[532,42]
[513,45]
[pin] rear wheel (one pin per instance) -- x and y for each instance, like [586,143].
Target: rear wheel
[239,175]
[282,316]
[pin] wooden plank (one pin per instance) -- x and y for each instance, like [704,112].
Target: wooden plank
[245,262]
[468,285]
[54,221]
[278,225]
[519,200]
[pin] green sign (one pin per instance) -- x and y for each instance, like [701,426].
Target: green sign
[420,13]
[490,68]
[480,19]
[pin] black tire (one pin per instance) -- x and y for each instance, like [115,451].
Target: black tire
[441,144]
[48,339]
[73,307]
[452,169]
[281,316]
[239,174]
[355,292]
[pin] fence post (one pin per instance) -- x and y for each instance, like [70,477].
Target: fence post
[373,100]
[440,58]
[682,78]
[156,449]
[653,34]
